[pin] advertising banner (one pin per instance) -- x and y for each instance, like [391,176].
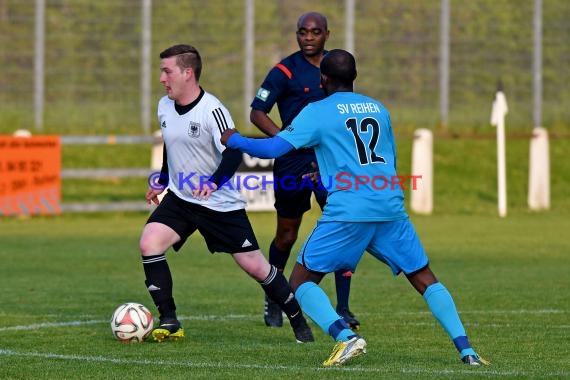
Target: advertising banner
[30,175]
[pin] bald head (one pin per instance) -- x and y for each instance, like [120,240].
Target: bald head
[318,18]
[339,67]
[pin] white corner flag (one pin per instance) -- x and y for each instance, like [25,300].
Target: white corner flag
[500,109]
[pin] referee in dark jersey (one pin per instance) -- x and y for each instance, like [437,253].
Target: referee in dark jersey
[291,85]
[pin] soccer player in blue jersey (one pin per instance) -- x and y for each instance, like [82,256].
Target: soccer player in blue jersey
[291,85]
[356,153]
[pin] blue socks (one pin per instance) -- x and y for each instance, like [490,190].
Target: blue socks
[340,331]
[463,346]
[316,304]
[443,309]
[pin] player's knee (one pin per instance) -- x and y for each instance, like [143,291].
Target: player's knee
[301,275]
[148,246]
[254,264]
[422,279]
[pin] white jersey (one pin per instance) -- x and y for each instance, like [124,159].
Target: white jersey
[194,150]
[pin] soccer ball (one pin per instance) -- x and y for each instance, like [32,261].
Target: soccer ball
[131,322]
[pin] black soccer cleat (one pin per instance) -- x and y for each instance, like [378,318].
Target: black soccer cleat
[272,314]
[302,331]
[169,328]
[474,360]
[350,319]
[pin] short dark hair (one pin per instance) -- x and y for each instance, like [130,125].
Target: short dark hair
[339,66]
[187,56]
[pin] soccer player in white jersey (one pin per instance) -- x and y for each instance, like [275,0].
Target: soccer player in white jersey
[195,166]
[356,153]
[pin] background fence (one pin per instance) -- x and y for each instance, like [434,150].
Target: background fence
[95,63]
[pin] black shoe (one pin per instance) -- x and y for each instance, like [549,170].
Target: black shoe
[169,328]
[350,319]
[272,314]
[474,360]
[302,331]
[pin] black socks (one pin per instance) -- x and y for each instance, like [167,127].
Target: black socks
[277,288]
[159,284]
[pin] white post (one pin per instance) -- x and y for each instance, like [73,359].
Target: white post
[156,152]
[537,63]
[349,26]
[539,171]
[444,21]
[39,63]
[249,61]
[22,133]
[146,63]
[500,109]
[421,198]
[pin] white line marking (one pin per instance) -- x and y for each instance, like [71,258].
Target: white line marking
[37,326]
[50,355]
[494,312]
[102,359]
[478,371]
[354,369]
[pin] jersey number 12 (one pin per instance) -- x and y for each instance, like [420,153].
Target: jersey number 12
[366,156]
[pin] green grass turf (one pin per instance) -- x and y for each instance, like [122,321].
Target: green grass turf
[61,278]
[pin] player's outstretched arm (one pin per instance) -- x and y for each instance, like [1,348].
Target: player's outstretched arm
[263,148]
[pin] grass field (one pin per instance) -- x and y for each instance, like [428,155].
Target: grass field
[61,277]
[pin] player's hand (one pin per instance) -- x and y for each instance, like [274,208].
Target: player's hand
[314,176]
[226,135]
[204,193]
[152,194]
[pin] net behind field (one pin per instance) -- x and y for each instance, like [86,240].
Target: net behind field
[93,52]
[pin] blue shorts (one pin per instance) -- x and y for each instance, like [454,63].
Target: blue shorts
[340,245]
[292,193]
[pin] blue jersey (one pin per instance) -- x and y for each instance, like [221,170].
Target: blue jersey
[356,153]
[291,84]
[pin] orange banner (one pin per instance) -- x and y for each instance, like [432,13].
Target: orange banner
[30,175]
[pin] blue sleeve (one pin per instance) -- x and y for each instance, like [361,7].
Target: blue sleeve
[263,148]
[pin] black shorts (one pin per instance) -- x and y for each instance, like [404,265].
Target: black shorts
[292,195]
[229,232]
